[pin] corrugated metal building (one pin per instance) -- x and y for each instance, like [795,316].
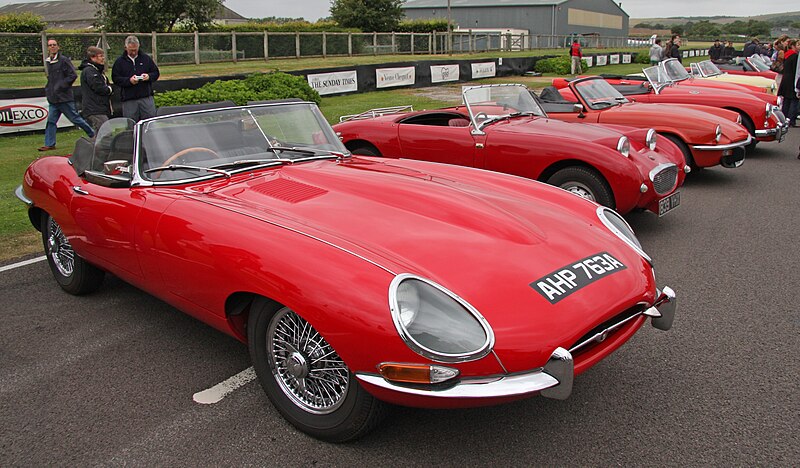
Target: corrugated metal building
[552,17]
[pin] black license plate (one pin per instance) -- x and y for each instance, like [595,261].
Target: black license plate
[667,204]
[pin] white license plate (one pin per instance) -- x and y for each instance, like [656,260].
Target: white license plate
[667,204]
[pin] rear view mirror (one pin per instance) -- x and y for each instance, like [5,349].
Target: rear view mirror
[577,108]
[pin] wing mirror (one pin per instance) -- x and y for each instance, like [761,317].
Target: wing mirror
[116,167]
[579,109]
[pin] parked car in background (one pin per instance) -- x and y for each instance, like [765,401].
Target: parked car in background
[707,136]
[760,112]
[708,70]
[502,128]
[753,65]
[353,280]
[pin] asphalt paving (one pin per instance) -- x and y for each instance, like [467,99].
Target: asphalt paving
[108,378]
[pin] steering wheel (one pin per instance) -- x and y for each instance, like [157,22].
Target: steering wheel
[197,150]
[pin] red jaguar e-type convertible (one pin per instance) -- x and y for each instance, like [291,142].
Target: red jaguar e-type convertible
[354,281]
[502,128]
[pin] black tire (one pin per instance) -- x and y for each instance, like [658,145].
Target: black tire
[348,415]
[585,182]
[687,154]
[751,128]
[365,149]
[74,274]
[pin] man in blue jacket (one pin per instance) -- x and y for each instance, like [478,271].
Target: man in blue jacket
[60,76]
[134,72]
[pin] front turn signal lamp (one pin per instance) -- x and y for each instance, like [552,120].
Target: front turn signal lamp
[417,373]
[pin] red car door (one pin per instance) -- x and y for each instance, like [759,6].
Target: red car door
[106,218]
[450,145]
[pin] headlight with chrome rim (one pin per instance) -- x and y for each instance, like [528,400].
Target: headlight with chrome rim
[718,133]
[617,224]
[652,139]
[624,146]
[436,323]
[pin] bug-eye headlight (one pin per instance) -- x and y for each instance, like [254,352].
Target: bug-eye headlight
[617,224]
[436,323]
[718,133]
[652,139]
[624,146]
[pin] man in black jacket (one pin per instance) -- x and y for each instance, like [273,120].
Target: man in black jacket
[95,90]
[134,72]
[751,48]
[60,76]
[675,50]
[715,51]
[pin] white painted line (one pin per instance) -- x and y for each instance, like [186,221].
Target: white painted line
[221,390]
[21,264]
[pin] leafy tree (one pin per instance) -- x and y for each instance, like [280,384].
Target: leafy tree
[154,15]
[704,29]
[367,15]
[677,29]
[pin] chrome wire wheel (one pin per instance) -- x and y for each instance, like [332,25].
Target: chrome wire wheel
[59,249]
[305,366]
[579,189]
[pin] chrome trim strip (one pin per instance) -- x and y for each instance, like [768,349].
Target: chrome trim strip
[505,371]
[424,351]
[601,215]
[601,335]
[737,144]
[490,387]
[21,195]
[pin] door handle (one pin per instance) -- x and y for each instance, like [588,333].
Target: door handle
[78,189]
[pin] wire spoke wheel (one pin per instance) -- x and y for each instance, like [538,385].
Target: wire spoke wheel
[60,250]
[305,366]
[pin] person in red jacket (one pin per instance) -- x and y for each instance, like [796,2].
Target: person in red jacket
[576,56]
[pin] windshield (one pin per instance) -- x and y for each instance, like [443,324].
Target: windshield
[708,68]
[598,94]
[494,102]
[657,77]
[228,140]
[674,70]
[113,142]
[758,63]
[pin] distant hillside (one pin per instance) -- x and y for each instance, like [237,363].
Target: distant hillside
[791,15]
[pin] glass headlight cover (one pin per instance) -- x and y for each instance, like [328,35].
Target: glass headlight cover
[624,146]
[437,324]
[652,139]
[617,224]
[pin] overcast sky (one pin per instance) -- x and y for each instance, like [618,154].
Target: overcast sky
[315,9]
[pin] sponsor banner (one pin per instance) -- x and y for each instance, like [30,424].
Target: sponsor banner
[388,77]
[602,60]
[691,53]
[441,73]
[334,83]
[613,59]
[685,54]
[589,61]
[23,115]
[626,58]
[484,70]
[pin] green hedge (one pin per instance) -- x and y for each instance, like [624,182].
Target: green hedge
[642,57]
[557,65]
[422,26]
[21,23]
[256,87]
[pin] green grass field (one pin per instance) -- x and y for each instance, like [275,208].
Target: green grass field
[18,238]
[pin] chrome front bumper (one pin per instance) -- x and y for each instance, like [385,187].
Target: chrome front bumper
[554,380]
[21,195]
[737,144]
